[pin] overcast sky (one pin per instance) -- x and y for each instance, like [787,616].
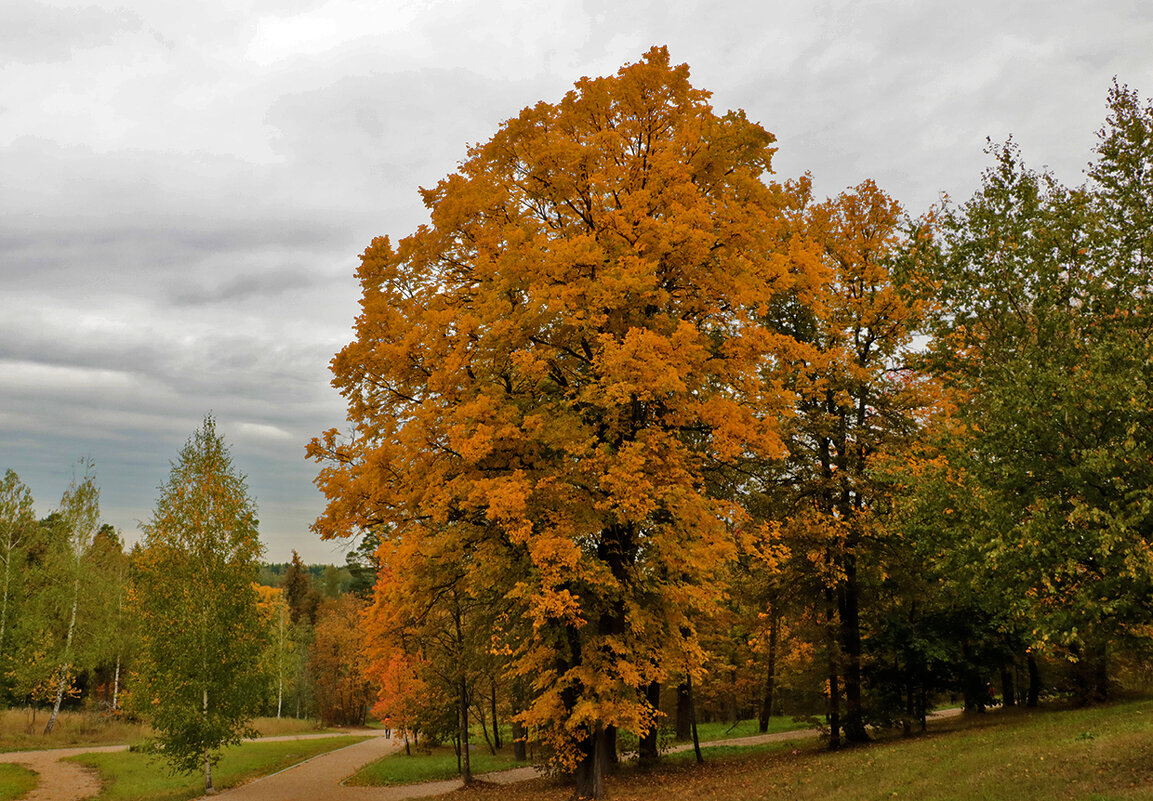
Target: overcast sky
[185,186]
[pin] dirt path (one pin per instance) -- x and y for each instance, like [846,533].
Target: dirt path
[59,780]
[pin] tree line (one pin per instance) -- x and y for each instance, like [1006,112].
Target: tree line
[640,433]
[178,630]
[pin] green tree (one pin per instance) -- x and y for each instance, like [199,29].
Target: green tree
[17,527]
[193,593]
[110,630]
[362,564]
[1045,331]
[78,520]
[303,599]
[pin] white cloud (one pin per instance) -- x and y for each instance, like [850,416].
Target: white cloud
[261,431]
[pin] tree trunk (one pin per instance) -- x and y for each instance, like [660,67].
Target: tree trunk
[589,777]
[280,660]
[7,576]
[519,744]
[972,686]
[848,603]
[693,718]
[67,659]
[466,768]
[910,703]
[771,678]
[116,686]
[208,788]
[484,729]
[1008,691]
[684,712]
[648,747]
[1101,672]
[834,709]
[495,728]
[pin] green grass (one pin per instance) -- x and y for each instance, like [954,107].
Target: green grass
[15,781]
[707,732]
[428,766]
[1098,754]
[440,763]
[128,776]
[724,752]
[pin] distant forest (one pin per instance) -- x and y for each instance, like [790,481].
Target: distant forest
[331,580]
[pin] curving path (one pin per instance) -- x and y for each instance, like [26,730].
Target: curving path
[59,780]
[320,776]
[323,774]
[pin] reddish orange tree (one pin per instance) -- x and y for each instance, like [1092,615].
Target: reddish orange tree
[344,693]
[547,371]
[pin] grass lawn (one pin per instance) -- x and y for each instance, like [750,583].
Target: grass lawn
[440,763]
[1099,754]
[130,776]
[745,728]
[429,766]
[15,781]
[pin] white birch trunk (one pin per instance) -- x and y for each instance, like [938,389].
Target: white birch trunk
[7,578]
[116,686]
[67,659]
[279,665]
[208,788]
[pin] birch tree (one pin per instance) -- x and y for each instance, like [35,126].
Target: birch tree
[193,591]
[78,519]
[17,525]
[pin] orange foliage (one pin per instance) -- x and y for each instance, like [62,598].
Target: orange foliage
[547,371]
[339,664]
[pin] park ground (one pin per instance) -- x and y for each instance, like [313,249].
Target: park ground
[1102,753]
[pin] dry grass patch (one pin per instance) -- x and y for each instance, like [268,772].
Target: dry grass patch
[21,729]
[282,727]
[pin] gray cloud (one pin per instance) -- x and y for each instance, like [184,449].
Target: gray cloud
[39,33]
[187,187]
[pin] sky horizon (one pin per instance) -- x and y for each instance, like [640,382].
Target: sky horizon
[187,187]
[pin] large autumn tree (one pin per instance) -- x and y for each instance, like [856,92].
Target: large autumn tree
[549,367]
[193,593]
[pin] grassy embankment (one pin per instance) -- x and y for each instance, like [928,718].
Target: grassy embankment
[1099,754]
[434,764]
[22,729]
[15,781]
[129,776]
